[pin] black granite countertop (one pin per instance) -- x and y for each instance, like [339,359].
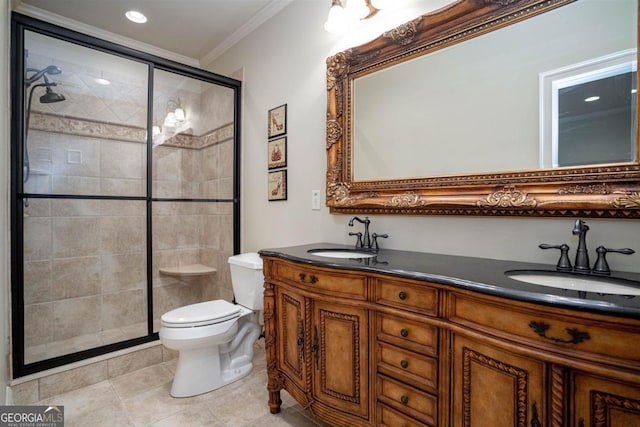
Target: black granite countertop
[475,274]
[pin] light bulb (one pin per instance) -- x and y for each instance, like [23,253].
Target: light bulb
[357,9]
[178,115]
[382,4]
[336,21]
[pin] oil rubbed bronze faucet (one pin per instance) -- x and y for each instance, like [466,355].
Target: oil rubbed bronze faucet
[580,229]
[581,264]
[366,241]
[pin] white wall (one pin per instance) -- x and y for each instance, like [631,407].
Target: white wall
[4,190]
[283,61]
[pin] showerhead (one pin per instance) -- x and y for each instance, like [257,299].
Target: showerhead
[51,69]
[50,96]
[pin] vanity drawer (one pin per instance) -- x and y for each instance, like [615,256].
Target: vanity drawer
[389,417]
[407,295]
[334,282]
[407,400]
[406,333]
[550,328]
[413,368]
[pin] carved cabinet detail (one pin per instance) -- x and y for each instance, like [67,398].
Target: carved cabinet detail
[362,348]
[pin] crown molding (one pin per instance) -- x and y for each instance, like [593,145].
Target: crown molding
[258,19]
[80,27]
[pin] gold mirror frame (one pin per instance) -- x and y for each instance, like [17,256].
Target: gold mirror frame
[603,191]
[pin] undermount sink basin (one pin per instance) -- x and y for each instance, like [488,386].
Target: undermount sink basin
[342,253]
[577,282]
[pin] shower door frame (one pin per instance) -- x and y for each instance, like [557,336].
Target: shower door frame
[19,24]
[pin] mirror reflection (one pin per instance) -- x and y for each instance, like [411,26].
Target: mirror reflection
[487,104]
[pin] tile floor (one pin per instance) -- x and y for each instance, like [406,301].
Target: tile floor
[141,398]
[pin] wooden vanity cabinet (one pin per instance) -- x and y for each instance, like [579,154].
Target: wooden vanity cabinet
[366,349]
[318,347]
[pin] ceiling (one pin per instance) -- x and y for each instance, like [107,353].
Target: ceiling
[199,30]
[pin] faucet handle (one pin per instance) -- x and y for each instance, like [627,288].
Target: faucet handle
[563,263]
[375,236]
[359,242]
[601,266]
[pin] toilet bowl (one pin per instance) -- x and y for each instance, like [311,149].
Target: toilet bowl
[215,339]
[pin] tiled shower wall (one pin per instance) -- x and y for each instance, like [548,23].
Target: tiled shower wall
[85,260]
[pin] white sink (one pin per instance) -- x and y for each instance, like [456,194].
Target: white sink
[577,282]
[341,253]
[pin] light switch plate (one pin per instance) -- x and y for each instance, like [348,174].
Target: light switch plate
[315,200]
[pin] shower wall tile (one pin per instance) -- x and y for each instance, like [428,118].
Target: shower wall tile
[167,163]
[75,236]
[76,277]
[123,186]
[38,184]
[75,185]
[165,231]
[225,160]
[37,282]
[210,237]
[38,324]
[123,308]
[76,316]
[225,188]
[119,235]
[37,239]
[121,272]
[122,160]
[189,231]
[209,158]
[75,155]
[37,208]
[226,235]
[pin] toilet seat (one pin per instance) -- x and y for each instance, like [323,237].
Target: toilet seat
[201,314]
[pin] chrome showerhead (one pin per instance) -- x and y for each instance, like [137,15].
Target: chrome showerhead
[51,69]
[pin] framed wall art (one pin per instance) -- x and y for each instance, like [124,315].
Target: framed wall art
[277,185]
[277,153]
[278,121]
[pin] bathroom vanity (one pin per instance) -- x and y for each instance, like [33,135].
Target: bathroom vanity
[414,339]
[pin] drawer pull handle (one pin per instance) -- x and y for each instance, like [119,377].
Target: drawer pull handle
[404,332]
[312,279]
[402,295]
[404,400]
[404,364]
[577,336]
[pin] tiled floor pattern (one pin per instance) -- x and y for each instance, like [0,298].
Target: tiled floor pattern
[141,398]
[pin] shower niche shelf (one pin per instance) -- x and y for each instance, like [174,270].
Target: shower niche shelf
[188,270]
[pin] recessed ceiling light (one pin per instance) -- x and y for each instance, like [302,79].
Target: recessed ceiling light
[135,16]
[102,81]
[591,99]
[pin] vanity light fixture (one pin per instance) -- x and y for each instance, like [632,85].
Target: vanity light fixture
[135,16]
[346,13]
[591,98]
[175,114]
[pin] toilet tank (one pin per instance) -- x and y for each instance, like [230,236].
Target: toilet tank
[247,280]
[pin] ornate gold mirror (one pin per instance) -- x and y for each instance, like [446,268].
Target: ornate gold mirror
[490,107]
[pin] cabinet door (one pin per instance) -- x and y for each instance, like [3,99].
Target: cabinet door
[340,360]
[495,387]
[600,402]
[292,336]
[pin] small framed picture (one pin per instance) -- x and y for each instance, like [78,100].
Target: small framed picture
[278,185]
[278,153]
[278,121]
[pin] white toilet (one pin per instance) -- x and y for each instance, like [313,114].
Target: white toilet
[215,338]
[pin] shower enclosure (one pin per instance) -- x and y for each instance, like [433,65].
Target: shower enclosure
[124,182]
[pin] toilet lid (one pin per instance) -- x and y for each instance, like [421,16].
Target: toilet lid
[201,314]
